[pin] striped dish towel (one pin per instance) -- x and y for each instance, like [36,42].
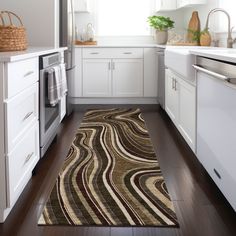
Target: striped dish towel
[64,88]
[54,85]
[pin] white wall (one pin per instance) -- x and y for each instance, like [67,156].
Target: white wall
[203,11]
[40,19]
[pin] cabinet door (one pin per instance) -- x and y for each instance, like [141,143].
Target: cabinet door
[165,5]
[187,111]
[81,5]
[75,86]
[127,77]
[150,72]
[96,78]
[188,3]
[171,96]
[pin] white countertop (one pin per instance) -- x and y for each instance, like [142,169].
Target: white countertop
[30,52]
[223,54]
[144,45]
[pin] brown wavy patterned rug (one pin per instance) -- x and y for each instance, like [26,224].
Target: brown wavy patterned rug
[111,176]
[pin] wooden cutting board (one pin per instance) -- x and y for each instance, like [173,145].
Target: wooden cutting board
[86,43]
[194,25]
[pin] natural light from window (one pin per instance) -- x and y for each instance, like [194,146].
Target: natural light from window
[123,17]
[230,7]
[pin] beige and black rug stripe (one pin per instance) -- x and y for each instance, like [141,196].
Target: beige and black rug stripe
[111,176]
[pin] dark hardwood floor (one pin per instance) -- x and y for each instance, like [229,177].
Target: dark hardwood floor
[201,208]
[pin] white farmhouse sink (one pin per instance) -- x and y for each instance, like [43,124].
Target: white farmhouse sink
[181,61]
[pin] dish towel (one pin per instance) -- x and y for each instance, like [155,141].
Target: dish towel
[63,79]
[54,85]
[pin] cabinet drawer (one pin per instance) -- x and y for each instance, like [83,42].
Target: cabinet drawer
[20,112]
[112,53]
[21,74]
[21,162]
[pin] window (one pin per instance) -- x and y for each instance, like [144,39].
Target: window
[123,17]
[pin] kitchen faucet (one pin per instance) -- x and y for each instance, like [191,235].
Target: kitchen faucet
[230,40]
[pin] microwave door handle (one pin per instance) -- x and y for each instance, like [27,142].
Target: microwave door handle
[212,73]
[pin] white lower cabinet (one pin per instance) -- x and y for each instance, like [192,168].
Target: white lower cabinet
[112,77]
[171,99]
[181,106]
[121,74]
[127,77]
[20,163]
[19,136]
[62,107]
[97,78]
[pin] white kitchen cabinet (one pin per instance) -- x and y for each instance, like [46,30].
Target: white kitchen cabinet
[171,96]
[187,111]
[190,3]
[180,99]
[97,77]
[19,136]
[112,72]
[112,77]
[20,163]
[75,87]
[127,77]
[62,107]
[81,6]
[150,72]
[166,5]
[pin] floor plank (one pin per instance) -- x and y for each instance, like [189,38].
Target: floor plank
[201,208]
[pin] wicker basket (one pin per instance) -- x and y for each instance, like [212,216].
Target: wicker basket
[12,38]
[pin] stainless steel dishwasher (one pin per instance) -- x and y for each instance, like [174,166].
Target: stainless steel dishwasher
[161,76]
[216,123]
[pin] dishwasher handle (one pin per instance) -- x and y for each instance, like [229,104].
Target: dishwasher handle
[212,73]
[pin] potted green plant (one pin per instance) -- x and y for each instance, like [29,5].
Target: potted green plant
[161,24]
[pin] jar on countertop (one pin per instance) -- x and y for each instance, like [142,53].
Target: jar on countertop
[90,32]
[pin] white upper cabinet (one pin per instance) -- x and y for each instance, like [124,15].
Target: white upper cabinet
[81,5]
[190,3]
[166,5]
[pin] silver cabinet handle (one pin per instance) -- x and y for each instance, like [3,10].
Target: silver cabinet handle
[212,73]
[94,53]
[113,66]
[109,65]
[127,53]
[27,115]
[28,157]
[173,83]
[28,74]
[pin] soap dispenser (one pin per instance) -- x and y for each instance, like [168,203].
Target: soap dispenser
[90,32]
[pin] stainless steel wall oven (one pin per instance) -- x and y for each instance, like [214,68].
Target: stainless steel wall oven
[49,115]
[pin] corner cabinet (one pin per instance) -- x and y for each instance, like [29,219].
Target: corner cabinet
[166,5]
[180,98]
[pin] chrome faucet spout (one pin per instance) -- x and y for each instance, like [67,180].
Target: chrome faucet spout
[230,40]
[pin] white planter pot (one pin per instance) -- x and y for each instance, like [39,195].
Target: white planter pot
[161,36]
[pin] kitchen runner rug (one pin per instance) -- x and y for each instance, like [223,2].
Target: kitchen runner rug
[111,176]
